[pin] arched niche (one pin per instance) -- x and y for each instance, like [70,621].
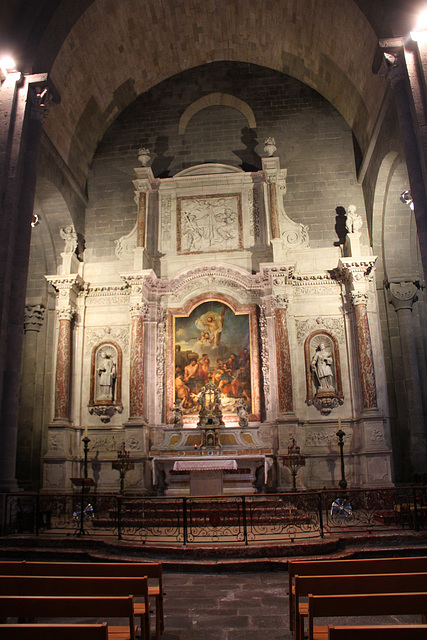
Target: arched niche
[213,338]
[323,371]
[106,380]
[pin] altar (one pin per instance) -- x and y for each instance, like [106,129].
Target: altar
[206,476]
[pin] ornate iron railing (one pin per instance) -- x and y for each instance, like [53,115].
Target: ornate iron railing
[245,519]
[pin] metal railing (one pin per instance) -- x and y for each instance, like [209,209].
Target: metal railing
[245,519]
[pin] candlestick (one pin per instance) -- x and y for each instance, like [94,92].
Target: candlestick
[85,430]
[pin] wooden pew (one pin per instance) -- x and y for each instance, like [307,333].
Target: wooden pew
[54,631]
[364,583]
[369,604]
[379,632]
[347,567]
[73,607]
[81,586]
[153,571]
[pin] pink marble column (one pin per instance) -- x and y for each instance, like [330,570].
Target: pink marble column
[63,366]
[284,374]
[142,218]
[136,401]
[365,353]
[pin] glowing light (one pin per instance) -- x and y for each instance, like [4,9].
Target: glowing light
[422,21]
[7,63]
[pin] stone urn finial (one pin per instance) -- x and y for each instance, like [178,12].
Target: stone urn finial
[144,156]
[270,146]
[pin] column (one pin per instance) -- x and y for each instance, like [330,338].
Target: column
[358,274]
[404,65]
[275,178]
[136,391]
[23,103]
[29,429]
[402,296]
[364,351]
[283,355]
[143,187]
[67,288]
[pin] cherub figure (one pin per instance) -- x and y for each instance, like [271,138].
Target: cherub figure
[69,235]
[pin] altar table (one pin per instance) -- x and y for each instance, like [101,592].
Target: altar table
[205,475]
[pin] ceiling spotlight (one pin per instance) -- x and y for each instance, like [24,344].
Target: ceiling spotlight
[8,63]
[36,220]
[406,198]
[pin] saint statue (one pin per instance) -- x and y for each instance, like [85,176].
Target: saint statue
[107,376]
[321,368]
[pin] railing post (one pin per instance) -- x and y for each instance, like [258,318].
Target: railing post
[119,517]
[322,533]
[245,524]
[37,513]
[414,492]
[184,520]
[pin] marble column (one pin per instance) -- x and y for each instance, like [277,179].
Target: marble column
[275,178]
[136,392]
[364,351]
[142,219]
[63,366]
[23,103]
[402,296]
[283,355]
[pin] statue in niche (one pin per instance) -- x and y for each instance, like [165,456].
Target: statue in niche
[354,222]
[107,373]
[69,235]
[321,368]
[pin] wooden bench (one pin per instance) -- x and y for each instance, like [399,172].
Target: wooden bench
[347,567]
[73,607]
[82,586]
[364,583]
[369,604]
[379,632]
[153,571]
[54,631]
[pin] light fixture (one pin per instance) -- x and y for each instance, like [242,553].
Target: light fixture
[420,26]
[406,198]
[7,63]
[36,220]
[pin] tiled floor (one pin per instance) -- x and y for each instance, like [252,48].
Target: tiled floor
[233,606]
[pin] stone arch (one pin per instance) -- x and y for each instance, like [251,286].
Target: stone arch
[216,99]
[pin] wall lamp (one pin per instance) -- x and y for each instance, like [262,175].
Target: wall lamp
[406,198]
[7,64]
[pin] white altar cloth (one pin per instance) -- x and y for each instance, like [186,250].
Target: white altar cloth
[204,465]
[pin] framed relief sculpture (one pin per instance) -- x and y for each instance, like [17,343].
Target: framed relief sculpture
[214,343]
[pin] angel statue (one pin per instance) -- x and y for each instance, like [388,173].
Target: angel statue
[69,235]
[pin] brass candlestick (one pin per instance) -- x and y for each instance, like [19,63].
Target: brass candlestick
[123,464]
[294,461]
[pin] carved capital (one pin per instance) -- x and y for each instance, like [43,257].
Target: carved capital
[138,309]
[34,316]
[358,297]
[66,313]
[280,301]
[402,295]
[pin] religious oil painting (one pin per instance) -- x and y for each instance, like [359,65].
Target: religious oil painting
[213,344]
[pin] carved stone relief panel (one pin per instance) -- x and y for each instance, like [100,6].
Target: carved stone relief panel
[209,224]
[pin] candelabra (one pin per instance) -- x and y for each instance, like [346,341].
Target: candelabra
[84,484]
[123,464]
[294,461]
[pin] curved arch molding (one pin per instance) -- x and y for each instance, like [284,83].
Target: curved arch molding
[213,100]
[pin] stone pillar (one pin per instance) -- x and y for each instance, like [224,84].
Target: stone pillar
[364,351]
[283,355]
[136,391]
[275,177]
[63,366]
[402,296]
[28,453]
[405,64]
[358,273]
[143,187]
[67,288]
[23,103]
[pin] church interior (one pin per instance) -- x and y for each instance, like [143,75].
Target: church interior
[213,244]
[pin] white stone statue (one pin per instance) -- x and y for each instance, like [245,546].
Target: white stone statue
[69,235]
[321,368]
[107,375]
[242,413]
[354,222]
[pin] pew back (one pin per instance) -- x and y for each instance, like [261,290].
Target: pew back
[54,631]
[378,632]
